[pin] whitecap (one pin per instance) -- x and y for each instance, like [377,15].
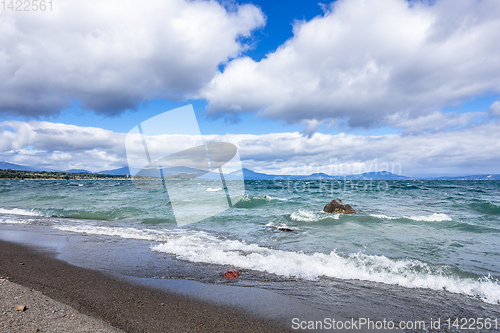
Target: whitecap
[19,211]
[202,247]
[436,217]
[431,218]
[303,215]
[13,221]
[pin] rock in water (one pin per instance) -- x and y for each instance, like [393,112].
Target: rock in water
[284,229]
[232,274]
[336,206]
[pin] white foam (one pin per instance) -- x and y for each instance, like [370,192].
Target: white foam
[12,221]
[132,233]
[436,217]
[199,246]
[404,272]
[19,211]
[382,216]
[303,215]
[431,218]
[279,225]
[275,198]
[214,189]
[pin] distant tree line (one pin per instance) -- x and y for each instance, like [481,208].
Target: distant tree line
[16,174]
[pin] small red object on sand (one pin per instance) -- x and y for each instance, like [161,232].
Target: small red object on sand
[232,274]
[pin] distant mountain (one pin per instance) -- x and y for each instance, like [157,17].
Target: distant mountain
[180,170]
[380,175]
[120,171]
[252,175]
[248,174]
[317,176]
[78,171]
[473,177]
[168,172]
[17,167]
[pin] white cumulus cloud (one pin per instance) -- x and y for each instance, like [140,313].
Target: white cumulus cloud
[366,62]
[460,151]
[108,56]
[494,110]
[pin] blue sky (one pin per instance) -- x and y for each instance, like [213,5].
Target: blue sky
[298,85]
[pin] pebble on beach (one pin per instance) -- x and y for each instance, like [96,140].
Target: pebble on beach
[21,308]
[232,274]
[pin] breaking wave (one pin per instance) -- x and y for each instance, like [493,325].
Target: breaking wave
[436,217]
[19,211]
[202,247]
[303,215]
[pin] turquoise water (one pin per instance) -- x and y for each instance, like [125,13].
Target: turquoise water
[441,235]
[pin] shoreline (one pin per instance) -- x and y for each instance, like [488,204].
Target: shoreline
[271,302]
[125,305]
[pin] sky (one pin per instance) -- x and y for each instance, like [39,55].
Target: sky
[408,86]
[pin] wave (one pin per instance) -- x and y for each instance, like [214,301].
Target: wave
[281,226]
[252,201]
[485,208]
[268,197]
[104,215]
[19,211]
[13,221]
[436,217]
[131,233]
[201,247]
[214,189]
[303,215]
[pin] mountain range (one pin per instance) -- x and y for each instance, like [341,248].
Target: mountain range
[248,174]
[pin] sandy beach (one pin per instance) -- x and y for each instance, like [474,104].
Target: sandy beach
[24,309]
[93,301]
[117,282]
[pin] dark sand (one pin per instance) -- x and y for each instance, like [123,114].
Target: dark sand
[43,314]
[124,283]
[128,306]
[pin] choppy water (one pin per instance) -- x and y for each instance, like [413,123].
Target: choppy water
[442,235]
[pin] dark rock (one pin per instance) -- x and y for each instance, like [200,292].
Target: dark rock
[232,274]
[281,228]
[336,206]
[284,229]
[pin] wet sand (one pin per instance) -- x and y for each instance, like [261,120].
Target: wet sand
[124,283]
[124,305]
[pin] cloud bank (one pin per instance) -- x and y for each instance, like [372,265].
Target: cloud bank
[63,147]
[367,63]
[108,56]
